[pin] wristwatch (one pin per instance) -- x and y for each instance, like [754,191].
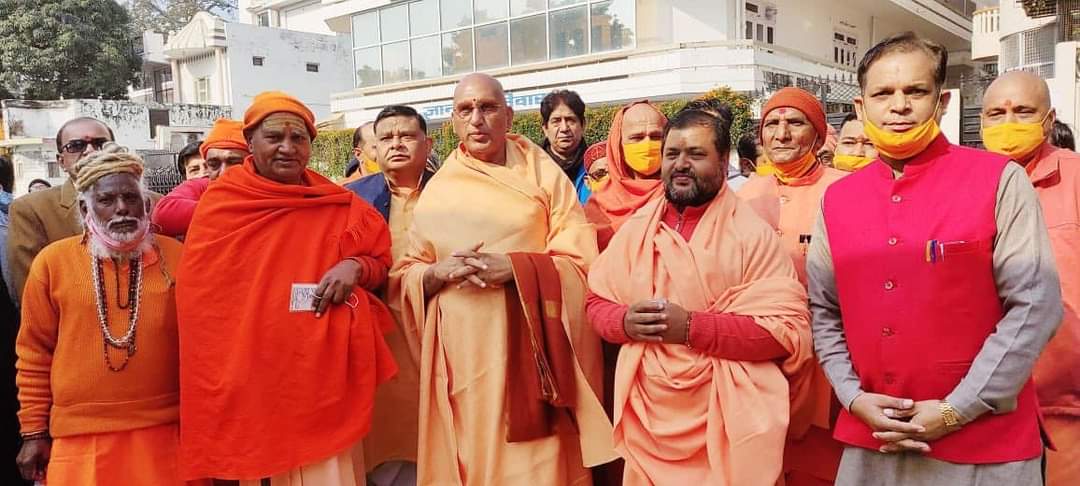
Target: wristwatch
[949,414]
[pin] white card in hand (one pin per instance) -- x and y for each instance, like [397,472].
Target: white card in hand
[302,298]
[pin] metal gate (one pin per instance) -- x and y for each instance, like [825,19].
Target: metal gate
[160,173]
[972,88]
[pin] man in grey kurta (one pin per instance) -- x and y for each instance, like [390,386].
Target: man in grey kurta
[1023,274]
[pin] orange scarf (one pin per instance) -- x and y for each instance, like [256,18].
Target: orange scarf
[623,195]
[682,417]
[265,390]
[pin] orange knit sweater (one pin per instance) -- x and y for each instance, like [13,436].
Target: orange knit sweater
[64,383]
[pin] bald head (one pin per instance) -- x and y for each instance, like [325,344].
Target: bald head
[1018,97]
[642,122]
[482,118]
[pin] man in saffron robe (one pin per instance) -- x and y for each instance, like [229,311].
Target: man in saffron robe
[715,333]
[933,288]
[633,164]
[93,411]
[496,264]
[281,342]
[793,130]
[224,147]
[1017,121]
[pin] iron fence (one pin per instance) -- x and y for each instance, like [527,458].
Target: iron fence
[160,174]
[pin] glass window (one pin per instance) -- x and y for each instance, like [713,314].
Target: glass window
[749,29]
[365,29]
[491,45]
[394,23]
[835,54]
[566,31]
[563,3]
[426,59]
[422,18]
[768,35]
[457,52]
[395,62]
[455,13]
[368,66]
[612,26]
[524,34]
[523,7]
[488,10]
[760,31]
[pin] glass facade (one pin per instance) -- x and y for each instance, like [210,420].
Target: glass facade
[426,39]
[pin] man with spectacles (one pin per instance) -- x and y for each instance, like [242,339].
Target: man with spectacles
[50,215]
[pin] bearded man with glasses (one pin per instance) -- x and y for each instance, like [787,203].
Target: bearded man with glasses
[50,215]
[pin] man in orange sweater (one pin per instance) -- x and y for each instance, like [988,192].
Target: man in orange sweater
[94,411]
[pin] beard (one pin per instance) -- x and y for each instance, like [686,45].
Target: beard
[699,193]
[100,249]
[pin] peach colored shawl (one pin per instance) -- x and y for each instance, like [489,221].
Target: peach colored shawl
[526,206]
[682,417]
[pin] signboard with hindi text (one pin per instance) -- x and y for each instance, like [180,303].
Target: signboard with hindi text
[442,110]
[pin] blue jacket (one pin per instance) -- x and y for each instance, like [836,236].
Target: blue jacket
[376,192]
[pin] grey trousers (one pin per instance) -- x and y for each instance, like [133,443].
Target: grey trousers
[865,467]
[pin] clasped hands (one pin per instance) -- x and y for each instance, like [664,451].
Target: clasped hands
[469,267]
[903,424]
[657,321]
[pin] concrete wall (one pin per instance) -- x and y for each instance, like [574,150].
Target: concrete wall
[191,70]
[286,54]
[130,121]
[305,17]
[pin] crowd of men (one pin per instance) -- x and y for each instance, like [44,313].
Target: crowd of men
[862,305]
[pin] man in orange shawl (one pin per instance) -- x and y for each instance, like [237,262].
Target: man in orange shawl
[713,372]
[793,130]
[1017,120]
[633,164]
[281,342]
[493,282]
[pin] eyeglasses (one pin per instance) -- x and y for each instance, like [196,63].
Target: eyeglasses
[79,146]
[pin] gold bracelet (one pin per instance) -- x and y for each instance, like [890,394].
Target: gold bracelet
[949,414]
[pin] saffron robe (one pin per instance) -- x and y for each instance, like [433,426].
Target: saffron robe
[526,206]
[681,416]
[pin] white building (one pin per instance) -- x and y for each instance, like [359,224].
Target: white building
[154,83]
[1037,36]
[227,64]
[29,129]
[610,51]
[299,15]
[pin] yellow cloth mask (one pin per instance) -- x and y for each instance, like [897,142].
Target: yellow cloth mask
[765,168]
[370,166]
[597,184]
[1015,139]
[850,163]
[643,156]
[903,146]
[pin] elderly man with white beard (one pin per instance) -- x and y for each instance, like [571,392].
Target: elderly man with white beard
[93,410]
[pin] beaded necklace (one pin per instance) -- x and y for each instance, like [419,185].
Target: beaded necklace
[127,342]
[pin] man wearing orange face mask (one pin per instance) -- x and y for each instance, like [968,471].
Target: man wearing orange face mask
[1017,121]
[633,164]
[854,149]
[933,289]
[793,130]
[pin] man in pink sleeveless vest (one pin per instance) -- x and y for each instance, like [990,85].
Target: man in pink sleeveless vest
[1016,121]
[934,290]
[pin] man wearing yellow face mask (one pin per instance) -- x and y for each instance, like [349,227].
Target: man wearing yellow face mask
[933,289]
[633,164]
[854,149]
[793,130]
[1017,121]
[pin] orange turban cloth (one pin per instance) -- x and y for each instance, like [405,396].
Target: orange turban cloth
[801,100]
[226,134]
[270,102]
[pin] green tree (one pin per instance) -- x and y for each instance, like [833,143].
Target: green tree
[166,16]
[66,49]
